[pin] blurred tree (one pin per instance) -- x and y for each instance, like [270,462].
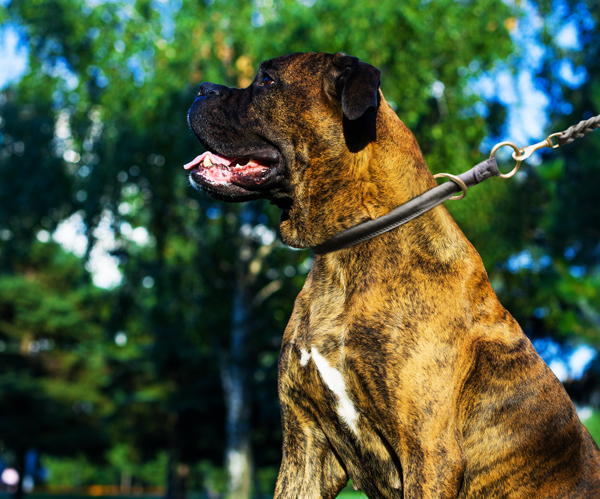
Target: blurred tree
[557,292]
[52,369]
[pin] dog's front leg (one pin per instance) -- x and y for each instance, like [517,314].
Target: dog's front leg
[309,468]
[433,466]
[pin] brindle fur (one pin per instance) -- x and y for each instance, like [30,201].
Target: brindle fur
[452,399]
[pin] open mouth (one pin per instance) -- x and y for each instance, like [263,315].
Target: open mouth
[231,176]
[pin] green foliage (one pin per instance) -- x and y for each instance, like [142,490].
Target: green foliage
[553,212]
[560,298]
[50,384]
[593,425]
[69,473]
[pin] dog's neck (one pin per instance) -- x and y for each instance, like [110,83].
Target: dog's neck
[367,184]
[392,170]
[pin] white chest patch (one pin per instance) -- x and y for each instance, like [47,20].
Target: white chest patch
[305,357]
[335,382]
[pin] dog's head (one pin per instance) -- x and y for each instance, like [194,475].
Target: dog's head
[292,137]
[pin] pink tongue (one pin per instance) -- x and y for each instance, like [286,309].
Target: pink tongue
[223,170]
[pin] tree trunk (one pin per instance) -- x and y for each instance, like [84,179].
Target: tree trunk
[20,467]
[126,480]
[234,374]
[176,472]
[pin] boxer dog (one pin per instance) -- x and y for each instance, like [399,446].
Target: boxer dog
[399,368]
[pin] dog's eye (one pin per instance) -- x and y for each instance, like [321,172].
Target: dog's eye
[267,80]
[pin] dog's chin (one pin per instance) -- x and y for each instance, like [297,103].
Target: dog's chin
[294,235]
[225,191]
[288,233]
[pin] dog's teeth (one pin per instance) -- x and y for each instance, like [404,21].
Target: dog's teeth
[207,162]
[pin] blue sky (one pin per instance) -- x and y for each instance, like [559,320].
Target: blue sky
[13,55]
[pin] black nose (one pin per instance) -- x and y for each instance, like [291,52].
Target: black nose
[208,88]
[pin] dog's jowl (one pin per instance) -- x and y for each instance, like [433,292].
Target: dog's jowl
[399,368]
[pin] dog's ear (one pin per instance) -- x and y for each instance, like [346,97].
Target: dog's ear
[355,83]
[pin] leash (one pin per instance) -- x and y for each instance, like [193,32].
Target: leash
[448,190]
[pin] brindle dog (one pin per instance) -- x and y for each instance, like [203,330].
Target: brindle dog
[399,368]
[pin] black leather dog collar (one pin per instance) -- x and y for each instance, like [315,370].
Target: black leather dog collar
[410,210]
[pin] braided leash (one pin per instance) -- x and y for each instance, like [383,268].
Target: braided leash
[577,131]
